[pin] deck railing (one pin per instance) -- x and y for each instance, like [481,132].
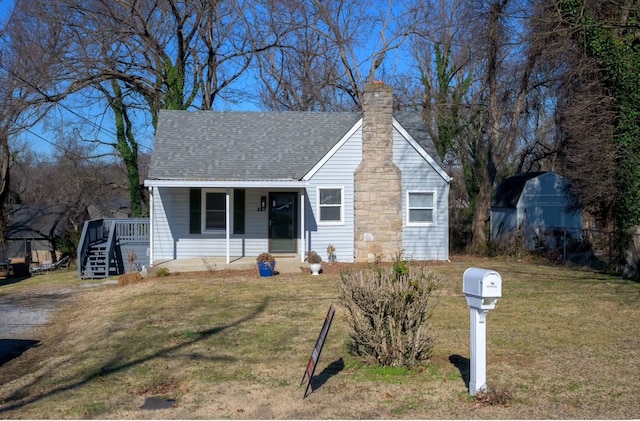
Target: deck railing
[131,230]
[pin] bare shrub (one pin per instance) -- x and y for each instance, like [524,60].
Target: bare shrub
[495,395]
[129,278]
[211,267]
[389,311]
[131,257]
[513,245]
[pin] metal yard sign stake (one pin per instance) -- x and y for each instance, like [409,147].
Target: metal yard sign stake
[315,355]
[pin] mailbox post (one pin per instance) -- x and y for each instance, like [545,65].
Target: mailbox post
[482,289]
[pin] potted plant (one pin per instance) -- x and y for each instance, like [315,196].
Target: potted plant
[331,254]
[266,264]
[315,262]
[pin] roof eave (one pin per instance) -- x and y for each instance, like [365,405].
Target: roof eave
[435,165]
[236,184]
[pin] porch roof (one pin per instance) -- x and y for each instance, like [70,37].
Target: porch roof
[234,184]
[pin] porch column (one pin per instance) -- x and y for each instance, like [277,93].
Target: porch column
[228,223]
[303,229]
[151,215]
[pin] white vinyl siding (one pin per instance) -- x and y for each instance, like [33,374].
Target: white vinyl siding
[422,241]
[164,204]
[175,241]
[172,239]
[337,173]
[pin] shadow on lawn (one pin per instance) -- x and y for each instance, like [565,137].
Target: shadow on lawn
[12,280]
[115,366]
[464,365]
[331,370]
[13,348]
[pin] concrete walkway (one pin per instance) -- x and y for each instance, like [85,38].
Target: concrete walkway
[284,264]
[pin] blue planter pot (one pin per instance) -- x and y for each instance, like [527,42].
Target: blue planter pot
[266,268]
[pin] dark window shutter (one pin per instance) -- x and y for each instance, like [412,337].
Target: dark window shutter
[238,211]
[195,211]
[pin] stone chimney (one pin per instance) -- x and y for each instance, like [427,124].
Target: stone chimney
[378,186]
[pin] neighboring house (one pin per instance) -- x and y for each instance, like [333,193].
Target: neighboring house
[33,232]
[235,184]
[536,206]
[116,208]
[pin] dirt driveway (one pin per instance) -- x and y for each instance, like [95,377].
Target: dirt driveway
[22,311]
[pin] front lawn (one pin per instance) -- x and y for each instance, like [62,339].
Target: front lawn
[561,343]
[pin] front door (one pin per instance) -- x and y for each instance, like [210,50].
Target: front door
[282,222]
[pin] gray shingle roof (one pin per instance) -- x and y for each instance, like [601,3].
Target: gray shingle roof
[209,145]
[37,222]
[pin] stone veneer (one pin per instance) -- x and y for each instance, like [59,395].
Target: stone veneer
[378,184]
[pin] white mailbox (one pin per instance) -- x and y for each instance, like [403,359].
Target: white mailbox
[482,287]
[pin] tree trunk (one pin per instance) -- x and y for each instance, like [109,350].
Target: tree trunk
[479,240]
[127,148]
[5,160]
[485,163]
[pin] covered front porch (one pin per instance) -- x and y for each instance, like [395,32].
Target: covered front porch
[284,264]
[233,222]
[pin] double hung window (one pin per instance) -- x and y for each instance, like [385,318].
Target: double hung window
[208,213]
[421,208]
[330,205]
[214,211]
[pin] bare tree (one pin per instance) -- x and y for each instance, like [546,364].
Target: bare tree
[303,73]
[590,46]
[69,177]
[27,78]
[330,50]
[476,66]
[142,56]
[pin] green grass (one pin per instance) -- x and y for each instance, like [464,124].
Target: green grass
[562,343]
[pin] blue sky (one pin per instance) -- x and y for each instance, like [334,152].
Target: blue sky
[99,125]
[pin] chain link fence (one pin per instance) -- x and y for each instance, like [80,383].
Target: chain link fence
[581,246]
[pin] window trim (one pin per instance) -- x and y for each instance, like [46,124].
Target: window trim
[319,205]
[203,212]
[434,208]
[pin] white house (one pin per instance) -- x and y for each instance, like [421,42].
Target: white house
[537,205]
[235,184]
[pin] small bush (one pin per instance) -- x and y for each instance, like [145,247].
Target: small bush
[265,257]
[313,257]
[400,264]
[68,243]
[389,309]
[331,254]
[161,272]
